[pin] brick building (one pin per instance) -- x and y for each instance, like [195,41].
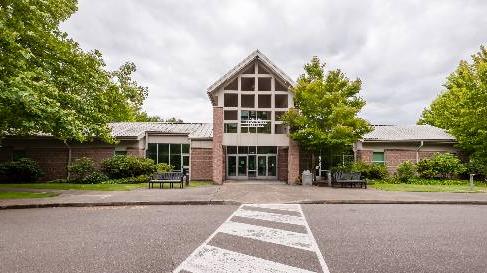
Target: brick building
[246,140]
[392,145]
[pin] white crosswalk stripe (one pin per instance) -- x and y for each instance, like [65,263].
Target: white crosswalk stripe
[214,258]
[269,216]
[271,235]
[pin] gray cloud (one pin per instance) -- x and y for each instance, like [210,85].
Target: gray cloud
[402,50]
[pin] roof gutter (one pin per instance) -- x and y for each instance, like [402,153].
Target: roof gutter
[421,143]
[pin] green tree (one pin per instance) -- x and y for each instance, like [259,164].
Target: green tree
[461,107]
[326,108]
[49,84]
[174,120]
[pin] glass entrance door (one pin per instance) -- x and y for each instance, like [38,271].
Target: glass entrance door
[261,165]
[242,165]
[266,166]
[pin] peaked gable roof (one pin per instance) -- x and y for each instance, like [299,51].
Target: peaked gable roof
[256,55]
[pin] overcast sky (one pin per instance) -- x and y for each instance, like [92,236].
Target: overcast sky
[401,50]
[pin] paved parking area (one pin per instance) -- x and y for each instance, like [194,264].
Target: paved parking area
[351,238]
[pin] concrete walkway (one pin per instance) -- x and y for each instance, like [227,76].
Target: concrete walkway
[242,192]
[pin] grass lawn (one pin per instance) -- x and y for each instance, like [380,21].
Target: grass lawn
[19,195]
[479,187]
[92,187]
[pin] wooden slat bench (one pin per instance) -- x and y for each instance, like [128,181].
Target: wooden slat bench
[348,179]
[170,178]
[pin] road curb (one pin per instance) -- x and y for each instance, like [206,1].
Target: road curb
[236,203]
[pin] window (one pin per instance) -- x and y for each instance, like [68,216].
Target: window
[245,115]
[243,149]
[262,70]
[120,152]
[248,129]
[230,128]
[231,149]
[264,101]
[176,155]
[185,148]
[18,154]
[281,101]
[230,115]
[248,84]
[280,129]
[378,158]
[247,101]
[151,151]
[266,129]
[163,153]
[230,100]
[279,86]
[264,115]
[266,150]
[250,69]
[278,115]
[233,85]
[264,84]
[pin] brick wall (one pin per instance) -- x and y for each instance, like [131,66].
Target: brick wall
[201,164]
[395,157]
[136,152]
[282,166]
[217,151]
[364,156]
[293,162]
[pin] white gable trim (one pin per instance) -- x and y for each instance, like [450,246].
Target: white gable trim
[256,55]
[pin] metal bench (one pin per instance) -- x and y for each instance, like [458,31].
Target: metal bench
[170,178]
[348,179]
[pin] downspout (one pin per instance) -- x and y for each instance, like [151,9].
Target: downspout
[69,160]
[417,150]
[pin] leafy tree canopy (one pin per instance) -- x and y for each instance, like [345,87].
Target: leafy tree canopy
[49,84]
[326,108]
[461,108]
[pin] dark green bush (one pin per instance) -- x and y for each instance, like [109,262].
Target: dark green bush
[368,171]
[129,180]
[164,167]
[24,170]
[406,171]
[121,166]
[83,171]
[440,166]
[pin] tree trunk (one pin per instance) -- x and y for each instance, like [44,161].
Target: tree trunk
[68,176]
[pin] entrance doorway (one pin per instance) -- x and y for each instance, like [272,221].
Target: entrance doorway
[252,165]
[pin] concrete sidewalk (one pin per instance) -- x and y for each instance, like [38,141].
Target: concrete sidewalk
[235,193]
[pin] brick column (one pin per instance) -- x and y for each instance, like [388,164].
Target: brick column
[293,162]
[217,145]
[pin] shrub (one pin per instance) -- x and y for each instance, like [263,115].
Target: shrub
[440,166]
[406,171]
[83,171]
[121,166]
[164,167]
[368,171]
[24,170]
[129,180]
[377,171]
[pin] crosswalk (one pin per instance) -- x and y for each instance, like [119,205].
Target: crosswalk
[269,238]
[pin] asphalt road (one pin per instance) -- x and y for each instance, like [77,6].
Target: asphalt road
[352,238]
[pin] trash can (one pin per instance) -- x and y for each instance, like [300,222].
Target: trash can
[307,178]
